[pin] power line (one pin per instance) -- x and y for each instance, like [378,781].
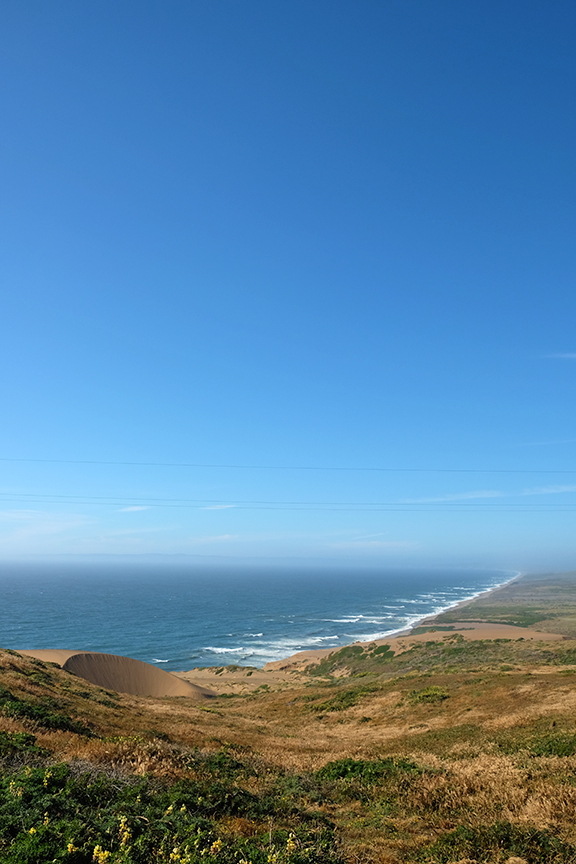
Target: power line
[55,497]
[335,507]
[232,466]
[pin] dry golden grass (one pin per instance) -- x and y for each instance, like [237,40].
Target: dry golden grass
[474,747]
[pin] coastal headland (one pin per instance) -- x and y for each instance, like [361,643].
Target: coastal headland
[452,743]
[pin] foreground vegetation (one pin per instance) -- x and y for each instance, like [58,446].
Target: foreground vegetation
[452,752]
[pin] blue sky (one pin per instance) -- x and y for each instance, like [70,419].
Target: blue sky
[288,235]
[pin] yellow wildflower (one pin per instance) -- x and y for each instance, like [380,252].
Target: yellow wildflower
[216,847]
[124,832]
[32,831]
[15,790]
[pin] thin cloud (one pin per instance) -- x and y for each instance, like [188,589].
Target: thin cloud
[374,544]
[548,490]
[567,355]
[218,507]
[132,509]
[370,536]
[492,493]
[29,525]
[552,442]
[18,515]
[218,538]
[457,496]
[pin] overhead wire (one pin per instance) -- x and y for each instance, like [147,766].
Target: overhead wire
[467,505]
[333,507]
[230,466]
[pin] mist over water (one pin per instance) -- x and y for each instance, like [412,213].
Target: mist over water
[179,617]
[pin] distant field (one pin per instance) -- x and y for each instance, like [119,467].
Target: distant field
[545,601]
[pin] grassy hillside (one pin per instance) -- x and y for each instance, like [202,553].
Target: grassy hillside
[450,752]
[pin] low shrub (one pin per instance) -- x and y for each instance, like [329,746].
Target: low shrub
[12,743]
[367,771]
[42,714]
[502,839]
[429,694]
[77,815]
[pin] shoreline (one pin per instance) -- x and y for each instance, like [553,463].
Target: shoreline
[278,673]
[335,610]
[116,672]
[404,631]
[422,621]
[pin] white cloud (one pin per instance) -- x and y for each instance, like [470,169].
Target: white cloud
[374,544]
[132,509]
[22,529]
[492,493]
[457,496]
[217,538]
[18,515]
[219,507]
[370,536]
[548,490]
[550,443]
[568,355]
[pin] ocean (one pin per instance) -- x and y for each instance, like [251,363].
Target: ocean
[182,616]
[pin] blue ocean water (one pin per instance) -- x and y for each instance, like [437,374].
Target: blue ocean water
[182,616]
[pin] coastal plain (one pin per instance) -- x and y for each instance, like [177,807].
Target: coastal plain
[455,742]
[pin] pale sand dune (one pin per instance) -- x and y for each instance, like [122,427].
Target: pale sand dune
[123,674]
[58,655]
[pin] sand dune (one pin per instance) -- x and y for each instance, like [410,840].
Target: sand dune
[123,674]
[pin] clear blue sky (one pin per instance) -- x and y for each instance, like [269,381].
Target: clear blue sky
[307,233]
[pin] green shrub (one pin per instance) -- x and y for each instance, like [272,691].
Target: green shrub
[502,838]
[382,653]
[345,698]
[65,813]
[429,694]
[43,714]
[222,764]
[554,745]
[366,771]
[19,742]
